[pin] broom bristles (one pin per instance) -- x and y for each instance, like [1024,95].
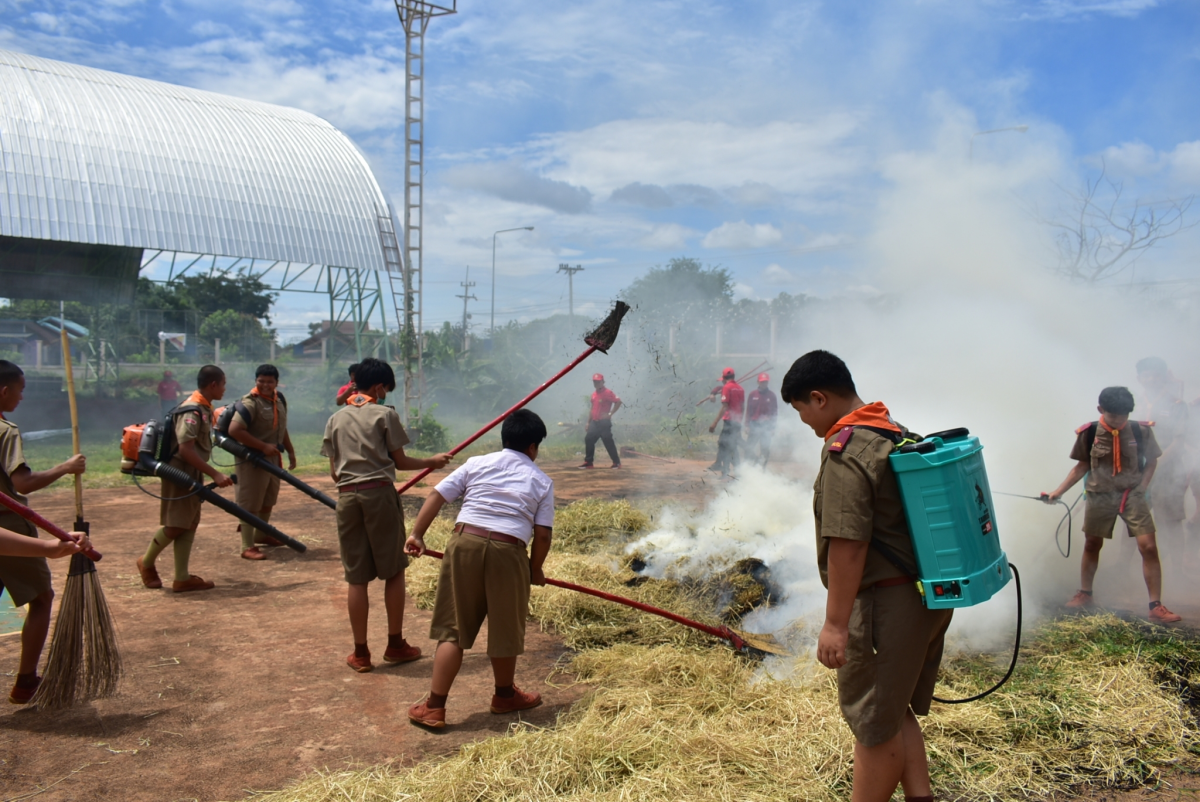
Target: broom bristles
[603,336]
[84,662]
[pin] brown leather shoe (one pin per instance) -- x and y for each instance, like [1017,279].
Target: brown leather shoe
[253,553]
[193,582]
[421,713]
[360,664]
[405,654]
[1161,615]
[149,574]
[519,701]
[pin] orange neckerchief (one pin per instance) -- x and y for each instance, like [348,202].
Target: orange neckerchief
[274,404]
[873,414]
[197,397]
[1116,436]
[361,400]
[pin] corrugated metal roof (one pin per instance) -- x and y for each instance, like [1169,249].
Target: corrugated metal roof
[98,157]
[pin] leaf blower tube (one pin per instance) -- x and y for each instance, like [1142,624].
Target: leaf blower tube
[243,452]
[148,463]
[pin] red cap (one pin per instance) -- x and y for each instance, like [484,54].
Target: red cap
[762,377]
[728,373]
[597,377]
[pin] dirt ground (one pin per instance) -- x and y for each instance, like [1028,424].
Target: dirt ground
[245,686]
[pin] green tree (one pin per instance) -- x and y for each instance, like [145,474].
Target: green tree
[242,292]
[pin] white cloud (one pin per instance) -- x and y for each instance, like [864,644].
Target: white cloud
[755,194]
[1131,159]
[1068,9]
[513,182]
[649,196]
[742,235]
[741,291]
[668,237]
[1185,163]
[777,276]
[47,22]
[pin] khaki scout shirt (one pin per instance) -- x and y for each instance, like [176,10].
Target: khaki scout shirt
[359,442]
[856,497]
[262,418]
[1100,477]
[12,457]
[193,426]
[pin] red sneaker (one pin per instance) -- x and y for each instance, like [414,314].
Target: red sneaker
[253,553]
[519,701]
[23,694]
[360,664]
[587,466]
[421,713]
[193,582]
[149,574]
[404,654]
[1080,601]
[616,465]
[1161,615]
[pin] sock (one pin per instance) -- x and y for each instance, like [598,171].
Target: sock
[30,680]
[361,650]
[157,544]
[507,692]
[1155,604]
[1088,592]
[396,642]
[248,533]
[183,552]
[919,798]
[259,535]
[436,700]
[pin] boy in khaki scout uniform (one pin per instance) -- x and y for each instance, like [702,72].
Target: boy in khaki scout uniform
[179,510]
[260,422]
[878,634]
[1118,473]
[364,441]
[25,575]
[486,573]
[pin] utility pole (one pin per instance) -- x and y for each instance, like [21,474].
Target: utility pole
[570,271]
[466,284]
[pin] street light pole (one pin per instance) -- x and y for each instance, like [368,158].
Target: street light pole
[502,231]
[1020,129]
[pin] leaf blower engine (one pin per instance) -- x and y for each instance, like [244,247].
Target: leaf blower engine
[146,452]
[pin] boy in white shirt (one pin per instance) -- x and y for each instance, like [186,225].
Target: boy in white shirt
[486,573]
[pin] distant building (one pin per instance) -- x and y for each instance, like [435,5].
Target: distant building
[327,340]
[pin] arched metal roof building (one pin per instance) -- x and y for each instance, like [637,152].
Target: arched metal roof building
[99,158]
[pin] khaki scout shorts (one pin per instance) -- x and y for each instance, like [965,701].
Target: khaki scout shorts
[1103,509]
[256,489]
[370,527]
[25,578]
[175,510]
[482,579]
[1167,489]
[892,661]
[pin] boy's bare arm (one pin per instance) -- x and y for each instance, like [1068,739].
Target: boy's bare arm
[239,432]
[542,539]
[27,481]
[291,451]
[333,474]
[1076,473]
[188,453]
[15,545]
[845,569]
[721,414]
[415,545]
[349,391]
[404,462]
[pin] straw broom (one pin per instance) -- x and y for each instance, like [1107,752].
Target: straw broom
[84,662]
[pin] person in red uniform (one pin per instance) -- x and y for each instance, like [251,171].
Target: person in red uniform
[733,402]
[349,388]
[604,405]
[168,392]
[761,411]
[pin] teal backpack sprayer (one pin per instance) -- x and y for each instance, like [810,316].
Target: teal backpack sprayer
[948,506]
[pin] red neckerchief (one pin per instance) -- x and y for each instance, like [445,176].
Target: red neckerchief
[874,414]
[274,404]
[1116,437]
[361,400]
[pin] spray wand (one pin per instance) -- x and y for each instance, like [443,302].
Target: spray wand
[1066,519]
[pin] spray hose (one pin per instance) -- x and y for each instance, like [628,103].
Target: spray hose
[1012,664]
[1066,519]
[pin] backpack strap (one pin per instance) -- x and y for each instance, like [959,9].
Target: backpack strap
[1088,430]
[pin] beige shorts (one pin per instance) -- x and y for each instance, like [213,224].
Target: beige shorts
[180,506]
[370,528]
[482,579]
[892,661]
[256,488]
[25,578]
[1102,510]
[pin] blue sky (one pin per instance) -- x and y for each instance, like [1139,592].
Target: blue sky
[755,136]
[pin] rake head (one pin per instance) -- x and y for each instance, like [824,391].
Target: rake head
[603,336]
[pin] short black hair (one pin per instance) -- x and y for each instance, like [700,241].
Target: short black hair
[266,370]
[816,370]
[372,371]
[353,371]
[1117,400]
[1152,364]
[207,375]
[522,429]
[9,372]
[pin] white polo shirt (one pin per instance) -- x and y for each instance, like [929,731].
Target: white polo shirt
[502,492]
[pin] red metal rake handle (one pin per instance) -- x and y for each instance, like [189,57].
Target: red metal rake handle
[541,389]
[724,633]
[42,523]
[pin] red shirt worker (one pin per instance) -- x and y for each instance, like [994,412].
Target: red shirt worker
[605,404]
[168,392]
[733,402]
[762,408]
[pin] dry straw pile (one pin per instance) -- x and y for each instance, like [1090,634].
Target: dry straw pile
[1095,701]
